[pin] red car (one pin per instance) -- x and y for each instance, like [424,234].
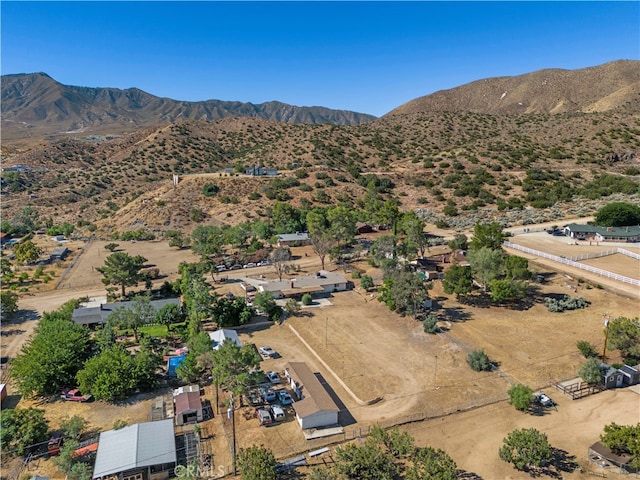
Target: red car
[74,395]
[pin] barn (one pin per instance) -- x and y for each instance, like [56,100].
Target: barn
[315,408]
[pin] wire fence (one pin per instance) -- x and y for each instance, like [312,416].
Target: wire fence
[572,263]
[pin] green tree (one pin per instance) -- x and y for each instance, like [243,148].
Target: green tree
[50,360]
[146,363]
[588,350]
[292,307]
[458,279]
[65,459]
[138,313]
[505,290]
[8,303]
[168,314]
[526,448]
[80,471]
[110,375]
[520,396]
[28,220]
[413,227]
[487,235]
[256,463]
[122,269]
[431,464]
[623,439]
[285,218]
[307,299]
[342,224]
[366,282]
[516,268]
[486,264]
[22,427]
[459,242]
[591,371]
[233,366]
[479,361]
[403,291]
[365,462]
[111,246]
[27,252]
[430,324]
[207,240]
[74,426]
[624,335]
[618,214]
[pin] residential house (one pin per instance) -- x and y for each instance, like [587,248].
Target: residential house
[628,234]
[322,282]
[92,316]
[257,171]
[315,408]
[58,253]
[143,451]
[294,239]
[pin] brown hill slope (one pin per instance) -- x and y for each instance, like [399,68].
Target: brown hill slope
[35,105]
[595,89]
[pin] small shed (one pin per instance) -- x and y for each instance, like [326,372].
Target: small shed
[630,375]
[58,253]
[362,227]
[188,408]
[611,377]
[604,457]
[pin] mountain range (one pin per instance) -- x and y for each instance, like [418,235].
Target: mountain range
[519,144]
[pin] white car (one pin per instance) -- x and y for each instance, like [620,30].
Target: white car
[267,352]
[249,265]
[277,413]
[273,377]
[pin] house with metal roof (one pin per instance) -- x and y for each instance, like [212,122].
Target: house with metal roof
[92,316]
[629,234]
[224,335]
[322,282]
[297,239]
[315,408]
[144,451]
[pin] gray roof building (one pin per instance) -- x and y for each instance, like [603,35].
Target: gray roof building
[98,315]
[320,282]
[149,447]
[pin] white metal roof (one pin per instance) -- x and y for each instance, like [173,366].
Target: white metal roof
[135,446]
[223,334]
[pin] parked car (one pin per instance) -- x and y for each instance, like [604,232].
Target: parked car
[235,267]
[74,395]
[253,398]
[267,393]
[544,400]
[249,265]
[263,415]
[268,352]
[284,398]
[263,263]
[277,413]
[221,268]
[273,377]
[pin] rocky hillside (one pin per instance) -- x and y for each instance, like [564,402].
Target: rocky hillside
[36,105]
[596,89]
[442,162]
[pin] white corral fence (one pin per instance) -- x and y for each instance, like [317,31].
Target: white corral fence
[572,263]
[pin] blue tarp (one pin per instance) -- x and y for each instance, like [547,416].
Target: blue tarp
[173,363]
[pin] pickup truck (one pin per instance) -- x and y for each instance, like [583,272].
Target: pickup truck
[74,395]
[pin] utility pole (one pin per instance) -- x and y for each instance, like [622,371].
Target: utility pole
[435,374]
[232,416]
[606,337]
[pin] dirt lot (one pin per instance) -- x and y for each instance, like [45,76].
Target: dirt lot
[380,355]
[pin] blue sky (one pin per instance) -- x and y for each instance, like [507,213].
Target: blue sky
[368,57]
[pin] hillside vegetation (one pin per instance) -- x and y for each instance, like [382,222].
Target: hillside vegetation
[443,162]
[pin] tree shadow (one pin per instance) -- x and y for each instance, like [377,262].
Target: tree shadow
[456,314]
[464,475]
[560,462]
[13,331]
[21,316]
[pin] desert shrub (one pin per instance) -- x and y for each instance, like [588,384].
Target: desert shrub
[254,196]
[366,282]
[588,350]
[210,189]
[355,274]
[479,361]
[306,299]
[565,303]
[430,324]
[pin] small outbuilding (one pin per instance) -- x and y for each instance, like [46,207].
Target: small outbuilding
[362,227]
[294,239]
[58,253]
[224,335]
[188,408]
[604,457]
[630,375]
